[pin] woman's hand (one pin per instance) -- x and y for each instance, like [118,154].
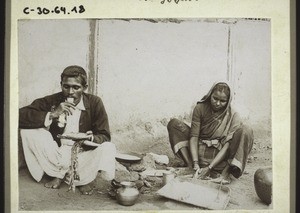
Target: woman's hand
[204,172]
[196,165]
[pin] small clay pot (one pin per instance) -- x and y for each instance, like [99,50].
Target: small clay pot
[263,181]
[127,194]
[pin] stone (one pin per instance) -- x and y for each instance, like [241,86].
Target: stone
[139,184]
[126,176]
[146,163]
[160,159]
[120,167]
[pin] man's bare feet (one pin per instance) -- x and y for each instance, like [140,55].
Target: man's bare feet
[54,184]
[86,189]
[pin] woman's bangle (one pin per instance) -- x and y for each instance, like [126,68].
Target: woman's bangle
[210,167]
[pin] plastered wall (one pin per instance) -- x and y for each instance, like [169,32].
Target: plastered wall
[151,70]
[251,68]
[146,70]
[45,48]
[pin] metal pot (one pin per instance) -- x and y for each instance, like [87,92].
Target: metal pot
[168,176]
[127,194]
[263,184]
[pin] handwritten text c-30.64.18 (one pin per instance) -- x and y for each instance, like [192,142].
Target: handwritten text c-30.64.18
[54,10]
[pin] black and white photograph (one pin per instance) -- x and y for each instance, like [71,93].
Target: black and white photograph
[145,114]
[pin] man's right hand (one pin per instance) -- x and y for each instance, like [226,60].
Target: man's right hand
[63,107]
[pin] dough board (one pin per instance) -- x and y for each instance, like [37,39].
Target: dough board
[196,192]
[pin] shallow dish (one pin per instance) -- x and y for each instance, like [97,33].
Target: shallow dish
[127,158]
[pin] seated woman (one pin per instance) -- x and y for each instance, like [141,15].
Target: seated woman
[217,139]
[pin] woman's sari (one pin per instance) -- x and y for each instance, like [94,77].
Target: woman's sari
[213,131]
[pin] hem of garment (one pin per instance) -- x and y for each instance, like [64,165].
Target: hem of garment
[36,177]
[236,163]
[180,145]
[81,183]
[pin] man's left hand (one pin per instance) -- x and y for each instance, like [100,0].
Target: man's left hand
[90,133]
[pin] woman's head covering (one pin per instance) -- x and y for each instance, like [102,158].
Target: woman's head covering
[213,88]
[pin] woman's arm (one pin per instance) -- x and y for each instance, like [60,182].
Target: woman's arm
[194,152]
[219,157]
[194,135]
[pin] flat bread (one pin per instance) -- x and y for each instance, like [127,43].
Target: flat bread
[75,136]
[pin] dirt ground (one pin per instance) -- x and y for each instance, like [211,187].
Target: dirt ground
[34,196]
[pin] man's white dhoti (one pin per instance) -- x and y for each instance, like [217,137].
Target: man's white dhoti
[43,155]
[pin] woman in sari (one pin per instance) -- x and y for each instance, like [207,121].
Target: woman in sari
[217,140]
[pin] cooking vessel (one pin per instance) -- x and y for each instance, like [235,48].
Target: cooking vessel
[263,184]
[126,192]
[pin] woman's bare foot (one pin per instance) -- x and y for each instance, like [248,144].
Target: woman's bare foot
[224,178]
[86,189]
[54,184]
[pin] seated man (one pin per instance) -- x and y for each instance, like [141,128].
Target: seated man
[69,111]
